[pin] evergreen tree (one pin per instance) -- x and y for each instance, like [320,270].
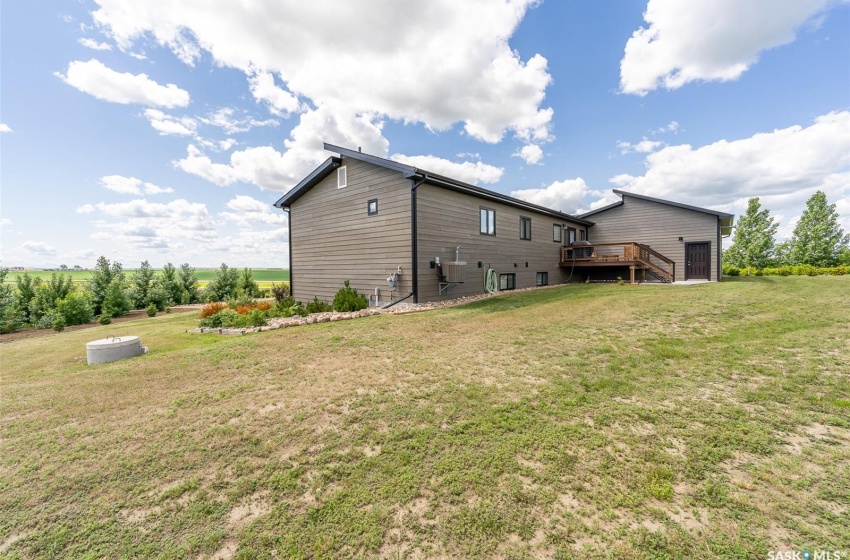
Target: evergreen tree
[26,288]
[116,302]
[171,284]
[755,238]
[223,286]
[246,285]
[10,314]
[189,285]
[140,285]
[101,278]
[818,239]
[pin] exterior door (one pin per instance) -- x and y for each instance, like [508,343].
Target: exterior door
[698,261]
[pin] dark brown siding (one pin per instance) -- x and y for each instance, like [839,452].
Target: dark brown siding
[446,219]
[334,239]
[659,226]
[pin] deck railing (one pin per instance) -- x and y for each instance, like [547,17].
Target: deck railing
[625,254]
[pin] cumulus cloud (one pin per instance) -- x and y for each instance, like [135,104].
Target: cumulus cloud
[95,78]
[466,171]
[565,195]
[131,185]
[5,127]
[168,125]
[246,211]
[710,40]
[5,222]
[365,62]
[783,167]
[271,169]
[530,153]
[39,248]
[92,44]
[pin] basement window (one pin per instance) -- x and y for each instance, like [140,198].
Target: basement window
[507,281]
[542,278]
[341,178]
[525,228]
[372,207]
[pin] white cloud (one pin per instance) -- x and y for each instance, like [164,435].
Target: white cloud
[783,167]
[226,144]
[39,248]
[531,153]
[224,118]
[565,195]
[130,185]
[92,44]
[466,171]
[5,127]
[248,212]
[138,56]
[270,169]
[96,79]
[645,146]
[437,63]
[85,209]
[5,222]
[279,101]
[711,40]
[168,125]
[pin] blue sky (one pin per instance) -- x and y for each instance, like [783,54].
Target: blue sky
[164,131]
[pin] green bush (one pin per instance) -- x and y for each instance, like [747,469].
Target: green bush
[318,306]
[222,319]
[104,319]
[729,270]
[151,310]
[47,320]
[256,318]
[76,308]
[347,299]
[58,324]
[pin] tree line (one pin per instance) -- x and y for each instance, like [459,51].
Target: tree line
[817,241]
[109,292]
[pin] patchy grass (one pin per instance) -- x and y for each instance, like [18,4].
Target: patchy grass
[572,422]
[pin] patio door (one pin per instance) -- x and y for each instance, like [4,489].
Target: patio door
[571,235]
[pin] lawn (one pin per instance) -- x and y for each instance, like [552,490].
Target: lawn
[572,422]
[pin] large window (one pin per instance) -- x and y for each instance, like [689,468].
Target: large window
[557,233]
[488,221]
[582,234]
[507,281]
[525,228]
[542,278]
[571,235]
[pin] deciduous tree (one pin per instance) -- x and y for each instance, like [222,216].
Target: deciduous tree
[755,238]
[818,240]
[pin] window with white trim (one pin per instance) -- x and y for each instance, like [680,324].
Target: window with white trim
[341,178]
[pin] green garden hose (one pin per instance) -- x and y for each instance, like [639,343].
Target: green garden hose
[490,285]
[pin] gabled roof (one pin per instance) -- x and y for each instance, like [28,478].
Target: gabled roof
[416,174]
[722,215]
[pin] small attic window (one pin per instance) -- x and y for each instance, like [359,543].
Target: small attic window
[341,178]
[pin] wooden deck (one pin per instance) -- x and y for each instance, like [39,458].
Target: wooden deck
[638,257]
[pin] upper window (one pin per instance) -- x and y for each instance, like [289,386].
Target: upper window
[488,221]
[341,177]
[582,234]
[372,207]
[557,233]
[524,228]
[571,235]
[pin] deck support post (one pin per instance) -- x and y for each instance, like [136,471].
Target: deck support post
[632,274]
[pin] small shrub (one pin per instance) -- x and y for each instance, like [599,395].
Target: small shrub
[224,318]
[151,310]
[318,306]
[104,319]
[213,308]
[280,292]
[58,323]
[47,319]
[256,318]
[729,270]
[620,281]
[347,299]
[168,310]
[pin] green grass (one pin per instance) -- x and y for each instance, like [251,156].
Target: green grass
[573,422]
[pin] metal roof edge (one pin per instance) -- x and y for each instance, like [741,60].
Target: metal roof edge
[721,215]
[598,210]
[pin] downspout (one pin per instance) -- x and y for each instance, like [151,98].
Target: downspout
[289,243]
[414,250]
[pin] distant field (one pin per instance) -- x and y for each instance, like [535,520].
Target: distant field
[263,276]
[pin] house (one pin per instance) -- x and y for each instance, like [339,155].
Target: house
[397,232]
